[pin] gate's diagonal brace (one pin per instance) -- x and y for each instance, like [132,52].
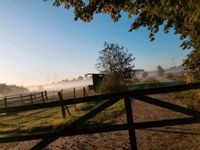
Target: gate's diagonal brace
[47,140]
[169,106]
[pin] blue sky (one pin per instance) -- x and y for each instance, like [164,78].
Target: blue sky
[39,43]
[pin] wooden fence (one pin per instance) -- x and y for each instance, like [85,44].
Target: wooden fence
[43,96]
[107,100]
[21,99]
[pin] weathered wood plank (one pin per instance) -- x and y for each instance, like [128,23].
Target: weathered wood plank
[167,122]
[5,102]
[31,98]
[42,95]
[81,131]
[46,96]
[131,93]
[62,106]
[129,116]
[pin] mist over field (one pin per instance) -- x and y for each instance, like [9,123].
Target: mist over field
[59,86]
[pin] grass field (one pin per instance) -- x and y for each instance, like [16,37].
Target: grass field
[154,82]
[51,118]
[48,119]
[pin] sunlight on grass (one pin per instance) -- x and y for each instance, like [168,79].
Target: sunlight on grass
[48,119]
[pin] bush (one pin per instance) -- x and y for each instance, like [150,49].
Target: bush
[189,99]
[192,78]
[111,84]
[177,77]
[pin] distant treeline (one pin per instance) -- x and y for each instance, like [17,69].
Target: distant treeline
[11,89]
[80,78]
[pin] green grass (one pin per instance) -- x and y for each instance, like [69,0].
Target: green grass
[51,118]
[27,121]
[154,82]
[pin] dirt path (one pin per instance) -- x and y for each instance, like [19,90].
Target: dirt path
[185,137]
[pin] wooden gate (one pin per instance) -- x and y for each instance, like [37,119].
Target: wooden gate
[107,101]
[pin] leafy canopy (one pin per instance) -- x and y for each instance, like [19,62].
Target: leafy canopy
[181,15]
[116,61]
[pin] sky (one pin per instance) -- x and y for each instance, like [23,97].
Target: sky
[40,43]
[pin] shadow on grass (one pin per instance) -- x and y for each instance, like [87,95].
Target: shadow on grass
[108,116]
[89,106]
[99,122]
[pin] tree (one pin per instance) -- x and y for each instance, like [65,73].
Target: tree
[80,78]
[115,60]
[160,70]
[182,15]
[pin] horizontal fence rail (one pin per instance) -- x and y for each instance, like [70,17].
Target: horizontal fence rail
[103,128]
[103,97]
[19,95]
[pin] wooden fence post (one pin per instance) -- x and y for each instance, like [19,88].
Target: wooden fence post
[84,92]
[42,94]
[53,93]
[62,92]
[45,92]
[21,98]
[62,106]
[34,96]
[129,116]
[74,92]
[5,102]
[31,97]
